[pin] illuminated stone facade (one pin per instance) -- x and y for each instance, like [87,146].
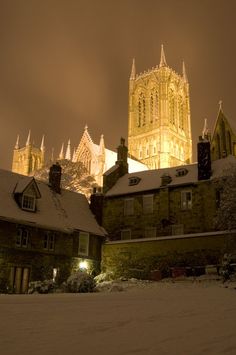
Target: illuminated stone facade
[159,128]
[223,142]
[29,158]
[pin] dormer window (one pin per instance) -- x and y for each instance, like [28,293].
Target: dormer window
[134,180]
[28,202]
[181,172]
[26,193]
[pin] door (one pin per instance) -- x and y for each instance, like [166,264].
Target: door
[19,279]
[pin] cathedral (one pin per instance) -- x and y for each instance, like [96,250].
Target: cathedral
[159,129]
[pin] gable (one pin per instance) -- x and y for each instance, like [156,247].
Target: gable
[223,142]
[27,187]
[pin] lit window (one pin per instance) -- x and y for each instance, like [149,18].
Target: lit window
[49,241]
[129,207]
[83,243]
[125,234]
[177,229]
[147,204]
[28,202]
[150,232]
[186,200]
[22,238]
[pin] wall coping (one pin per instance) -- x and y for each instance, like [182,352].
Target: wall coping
[172,237]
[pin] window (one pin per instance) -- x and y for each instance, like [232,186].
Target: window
[177,229]
[49,241]
[181,172]
[186,200]
[218,197]
[147,204]
[28,202]
[22,238]
[150,232]
[83,243]
[134,180]
[125,234]
[129,207]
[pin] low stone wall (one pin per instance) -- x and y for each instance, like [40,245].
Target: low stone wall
[143,258]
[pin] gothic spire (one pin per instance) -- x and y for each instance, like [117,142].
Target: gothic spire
[184,73]
[133,70]
[205,131]
[28,142]
[61,155]
[101,146]
[163,58]
[68,151]
[42,147]
[17,146]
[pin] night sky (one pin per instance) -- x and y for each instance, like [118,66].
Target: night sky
[65,64]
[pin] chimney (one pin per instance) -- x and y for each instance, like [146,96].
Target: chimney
[55,178]
[96,205]
[204,159]
[122,157]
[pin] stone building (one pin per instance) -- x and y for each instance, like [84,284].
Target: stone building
[28,158]
[223,140]
[162,216]
[96,158]
[159,127]
[45,231]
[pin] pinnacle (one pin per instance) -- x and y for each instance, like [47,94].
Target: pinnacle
[163,58]
[133,70]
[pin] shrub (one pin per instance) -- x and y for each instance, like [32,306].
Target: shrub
[45,286]
[79,282]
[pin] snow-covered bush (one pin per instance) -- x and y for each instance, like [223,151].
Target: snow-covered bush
[105,276]
[79,282]
[45,286]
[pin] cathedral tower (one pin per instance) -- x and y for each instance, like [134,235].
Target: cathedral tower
[29,158]
[159,127]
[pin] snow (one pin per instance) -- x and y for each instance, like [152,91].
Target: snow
[151,179]
[66,212]
[179,318]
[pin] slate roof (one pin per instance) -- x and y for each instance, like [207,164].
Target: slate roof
[151,179]
[65,212]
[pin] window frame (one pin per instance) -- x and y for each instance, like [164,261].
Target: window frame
[21,236]
[145,209]
[128,210]
[186,204]
[125,230]
[28,199]
[49,241]
[83,234]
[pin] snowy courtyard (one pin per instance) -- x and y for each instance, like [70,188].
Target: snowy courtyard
[180,318]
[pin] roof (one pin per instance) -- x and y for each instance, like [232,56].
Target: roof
[111,158]
[151,179]
[67,212]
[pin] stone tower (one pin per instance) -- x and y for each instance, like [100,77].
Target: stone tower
[29,158]
[159,127]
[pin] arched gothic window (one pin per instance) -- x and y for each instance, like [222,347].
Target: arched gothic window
[229,143]
[171,107]
[141,110]
[151,108]
[218,146]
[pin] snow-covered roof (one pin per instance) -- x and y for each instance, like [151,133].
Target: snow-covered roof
[66,212]
[111,158]
[151,179]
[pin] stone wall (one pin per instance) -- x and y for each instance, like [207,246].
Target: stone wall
[138,258]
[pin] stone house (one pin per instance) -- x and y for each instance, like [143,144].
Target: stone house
[153,214]
[45,232]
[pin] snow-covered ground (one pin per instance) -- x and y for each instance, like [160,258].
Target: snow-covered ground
[179,318]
